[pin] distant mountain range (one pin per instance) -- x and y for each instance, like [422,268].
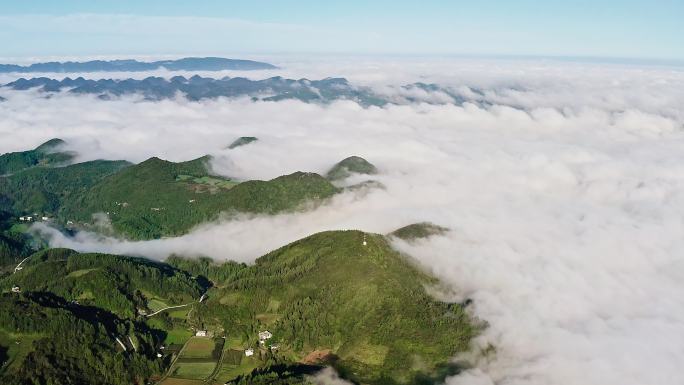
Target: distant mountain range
[272,89]
[184,64]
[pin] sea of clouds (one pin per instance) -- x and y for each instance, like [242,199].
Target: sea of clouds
[565,195]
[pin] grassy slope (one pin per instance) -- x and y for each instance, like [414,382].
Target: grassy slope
[159,198]
[368,304]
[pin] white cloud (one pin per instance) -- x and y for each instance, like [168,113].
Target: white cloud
[566,200]
[328,376]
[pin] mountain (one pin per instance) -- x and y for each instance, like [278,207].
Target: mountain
[242,141]
[340,298]
[153,199]
[351,165]
[417,231]
[47,154]
[344,299]
[184,64]
[158,198]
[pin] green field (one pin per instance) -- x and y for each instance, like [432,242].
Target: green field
[235,363]
[181,381]
[79,273]
[156,304]
[17,346]
[208,181]
[180,313]
[193,370]
[177,336]
[199,347]
[198,359]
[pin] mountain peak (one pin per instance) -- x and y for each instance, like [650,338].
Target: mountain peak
[351,165]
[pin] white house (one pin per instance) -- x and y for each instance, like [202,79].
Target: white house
[249,352]
[16,289]
[159,355]
[263,336]
[201,333]
[45,218]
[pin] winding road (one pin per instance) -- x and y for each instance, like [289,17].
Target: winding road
[177,306]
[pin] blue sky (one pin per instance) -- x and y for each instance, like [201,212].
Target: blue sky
[608,28]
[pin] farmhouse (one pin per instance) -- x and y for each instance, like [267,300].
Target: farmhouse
[249,352]
[16,289]
[201,333]
[263,336]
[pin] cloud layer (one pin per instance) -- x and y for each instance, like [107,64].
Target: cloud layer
[565,196]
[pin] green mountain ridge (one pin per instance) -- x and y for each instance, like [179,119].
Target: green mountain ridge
[47,154]
[157,198]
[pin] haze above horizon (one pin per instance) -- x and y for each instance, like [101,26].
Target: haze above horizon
[608,28]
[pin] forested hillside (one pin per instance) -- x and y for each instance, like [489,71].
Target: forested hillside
[119,284]
[341,298]
[47,340]
[159,198]
[348,296]
[45,190]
